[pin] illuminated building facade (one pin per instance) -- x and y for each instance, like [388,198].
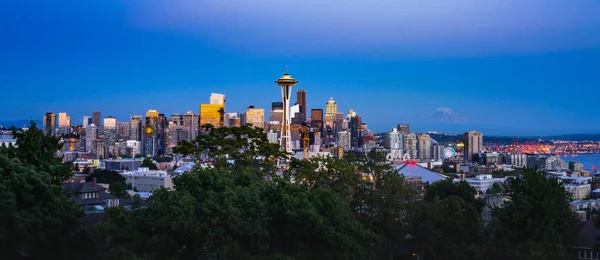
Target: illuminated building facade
[213,114]
[255,117]
[150,142]
[50,123]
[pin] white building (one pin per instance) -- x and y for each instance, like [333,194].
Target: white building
[64,120]
[516,160]
[273,137]
[395,140]
[579,191]
[110,123]
[482,182]
[217,99]
[135,146]
[7,140]
[343,140]
[90,137]
[86,121]
[145,180]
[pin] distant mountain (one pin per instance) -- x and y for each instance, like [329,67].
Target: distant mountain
[19,123]
[446,115]
[574,137]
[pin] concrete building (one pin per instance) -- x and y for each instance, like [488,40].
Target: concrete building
[473,145]
[576,166]
[136,128]
[110,122]
[64,120]
[123,164]
[343,140]
[301,101]
[403,128]
[96,119]
[217,99]
[424,147]
[273,137]
[123,131]
[437,152]
[86,121]
[146,180]
[49,123]
[255,117]
[395,140]
[482,182]
[190,122]
[410,145]
[90,137]
[135,147]
[233,120]
[516,160]
[579,191]
[490,158]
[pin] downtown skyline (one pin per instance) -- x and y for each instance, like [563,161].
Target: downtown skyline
[531,81]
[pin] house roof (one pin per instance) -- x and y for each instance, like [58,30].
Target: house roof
[419,171]
[82,187]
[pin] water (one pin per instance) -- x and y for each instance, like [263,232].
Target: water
[588,160]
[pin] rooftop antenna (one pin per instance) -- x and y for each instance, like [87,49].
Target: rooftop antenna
[286,69]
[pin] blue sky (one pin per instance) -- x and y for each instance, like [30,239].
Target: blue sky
[514,67]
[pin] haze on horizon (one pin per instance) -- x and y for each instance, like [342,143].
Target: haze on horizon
[508,67]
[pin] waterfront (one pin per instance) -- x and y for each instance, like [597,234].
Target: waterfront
[588,160]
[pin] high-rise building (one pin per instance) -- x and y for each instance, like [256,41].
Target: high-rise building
[316,119]
[90,138]
[162,134]
[355,131]
[410,145]
[190,122]
[255,117]
[395,140]
[296,115]
[177,132]
[64,120]
[276,106]
[96,119]
[273,137]
[233,120]
[301,100]
[343,140]
[424,147]
[286,82]
[50,123]
[330,113]
[136,128]
[123,131]
[213,114]
[403,128]
[473,145]
[86,121]
[217,99]
[110,122]
[150,141]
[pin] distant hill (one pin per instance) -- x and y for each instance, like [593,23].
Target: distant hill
[19,123]
[574,137]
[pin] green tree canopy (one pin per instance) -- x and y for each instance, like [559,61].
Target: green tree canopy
[537,221]
[148,163]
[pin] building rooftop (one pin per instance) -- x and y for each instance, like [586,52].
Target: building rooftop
[82,187]
[419,171]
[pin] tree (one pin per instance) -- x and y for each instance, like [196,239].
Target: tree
[537,221]
[37,219]
[448,228]
[35,148]
[148,163]
[495,189]
[443,189]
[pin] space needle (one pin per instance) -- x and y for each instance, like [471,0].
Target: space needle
[286,82]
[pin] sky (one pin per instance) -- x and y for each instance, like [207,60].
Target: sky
[511,67]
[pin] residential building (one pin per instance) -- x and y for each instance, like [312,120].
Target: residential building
[135,147]
[343,140]
[579,191]
[90,137]
[50,123]
[190,122]
[410,145]
[516,160]
[473,145]
[482,182]
[404,129]
[576,166]
[90,195]
[424,147]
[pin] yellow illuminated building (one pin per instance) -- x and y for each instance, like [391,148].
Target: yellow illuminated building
[255,117]
[213,114]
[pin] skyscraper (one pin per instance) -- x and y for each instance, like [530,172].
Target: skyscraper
[86,121]
[296,115]
[233,120]
[343,140]
[150,141]
[162,134]
[330,113]
[473,145]
[403,128]
[276,106]
[254,116]
[301,100]
[110,122]
[316,119]
[96,119]
[395,142]
[136,128]
[424,147]
[217,99]
[123,131]
[355,131]
[50,123]
[190,122]
[213,114]
[90,138]
[64,120]
[410,145]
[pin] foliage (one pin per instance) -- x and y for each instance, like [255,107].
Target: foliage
[37,219]
[159,158]
[35,148]
[537,221]
[148,163]
[495,189]
[237,148]
[446,188]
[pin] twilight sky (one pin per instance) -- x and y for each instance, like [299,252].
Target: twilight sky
[512,67]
